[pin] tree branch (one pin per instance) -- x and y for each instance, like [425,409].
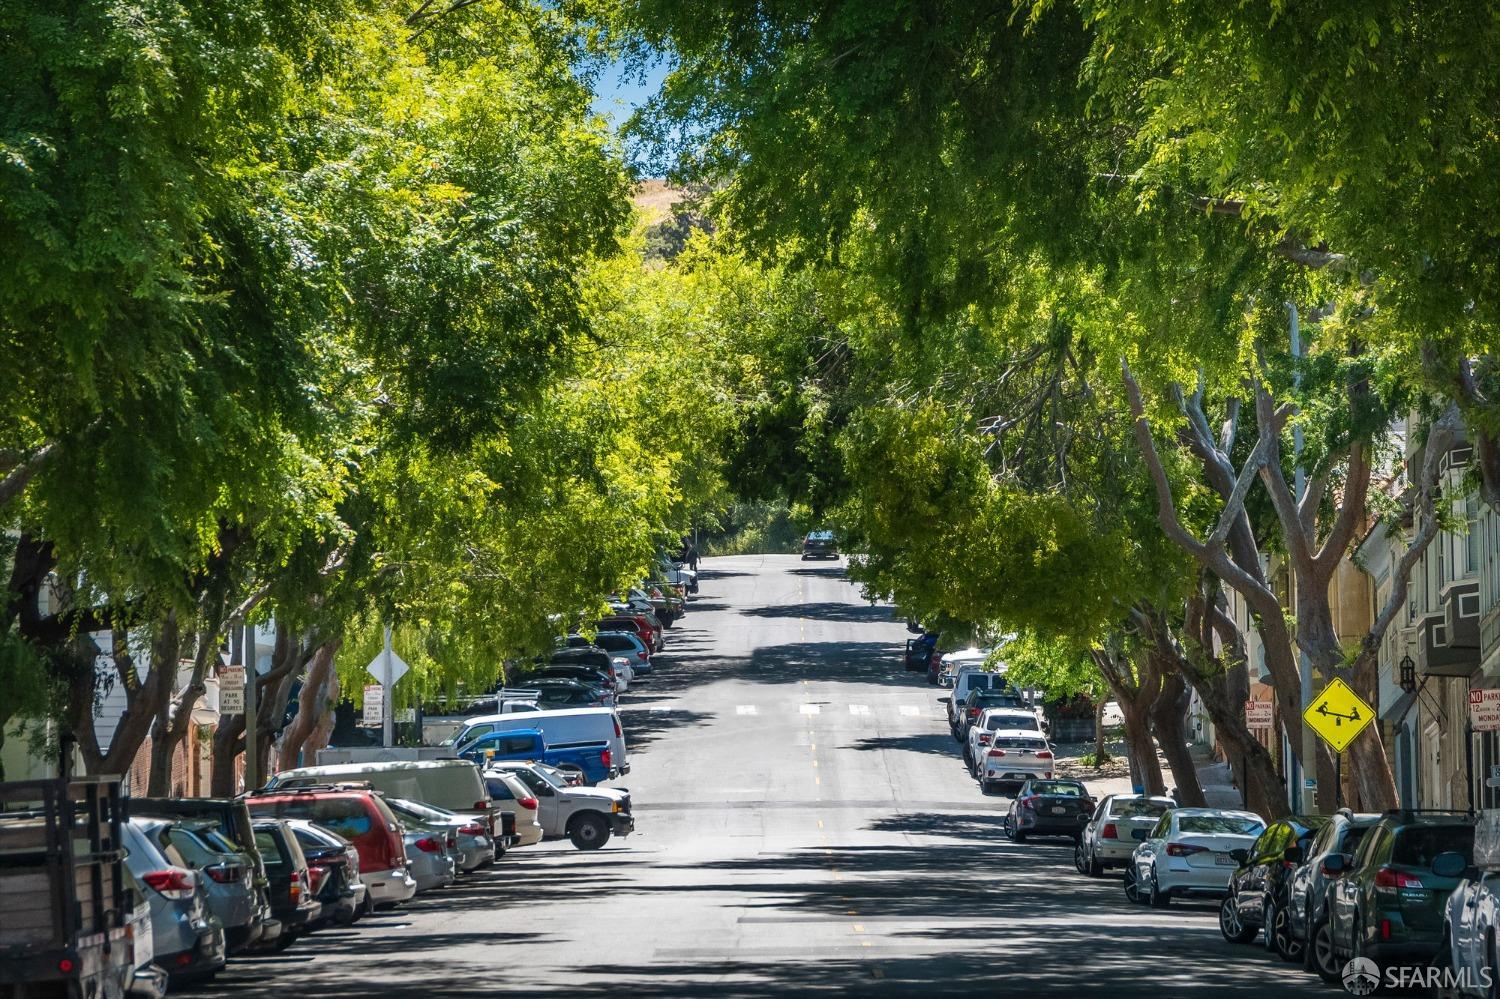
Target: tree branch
[24,470]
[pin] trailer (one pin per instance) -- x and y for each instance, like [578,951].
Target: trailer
[65,907]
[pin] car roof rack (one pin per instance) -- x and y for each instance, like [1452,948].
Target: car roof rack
[1428,811]
[351,785]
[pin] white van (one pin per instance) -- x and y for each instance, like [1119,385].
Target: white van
[452,784]
[560,729]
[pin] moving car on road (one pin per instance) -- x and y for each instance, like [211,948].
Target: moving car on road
[1107,839]
[819,544]
[1048,808]
[1260,887]
[587,816]
[1189,852]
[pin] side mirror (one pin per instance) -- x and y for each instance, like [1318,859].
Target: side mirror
[1450,865]
[1292,855]
[1240,854]
[1335,865]
[1140,834]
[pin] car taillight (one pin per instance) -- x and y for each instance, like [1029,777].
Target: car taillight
[996,752]
[225,874]
[618,733]
[315,878]
[1184,849]
[1044,754]
[174,882]
[1389,877]
[427,844]
[1385,929]
[452,840]
[1028,802]
[472,829]
[481,806]
[527,803]
[606,757]
[1109,831]
[973,712]
[984,738]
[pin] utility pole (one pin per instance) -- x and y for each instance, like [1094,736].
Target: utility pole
[1305,757]
[388,725]
[252,713]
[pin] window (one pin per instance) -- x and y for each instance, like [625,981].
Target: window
[1418,846]
[1130,808]
[1230,825]
[270,848]
[1471,540]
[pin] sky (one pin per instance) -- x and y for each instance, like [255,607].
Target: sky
[618,92]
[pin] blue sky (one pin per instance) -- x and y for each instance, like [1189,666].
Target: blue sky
[618,92]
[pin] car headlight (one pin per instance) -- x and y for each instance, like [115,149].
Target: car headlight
[615,807]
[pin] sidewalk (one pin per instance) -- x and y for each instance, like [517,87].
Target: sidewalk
[1114,777]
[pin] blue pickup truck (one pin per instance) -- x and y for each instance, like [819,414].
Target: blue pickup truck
[594,759]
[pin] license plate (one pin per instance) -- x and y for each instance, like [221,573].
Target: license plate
[1224,860]
[1059,810]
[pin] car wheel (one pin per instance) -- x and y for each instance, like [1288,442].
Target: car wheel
[1094,869]
[1018,836]
[282,942]
[1283,941]
[1268,920]
[588,832]
[1325,960]
[1230,924]
[1133,884]
[1158,898]
[1080,864]
[1005,828]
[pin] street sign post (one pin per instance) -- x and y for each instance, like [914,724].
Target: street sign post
[1484,709]
[375,712]
[387,667]
[1259,714]
[1337,715]
[232,690]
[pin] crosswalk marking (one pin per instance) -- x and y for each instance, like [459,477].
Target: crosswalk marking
[859,709]
[745,709]
[809,709]
[910,710]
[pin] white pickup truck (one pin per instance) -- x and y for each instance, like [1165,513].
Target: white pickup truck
[586,815]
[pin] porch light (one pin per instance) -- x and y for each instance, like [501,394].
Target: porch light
[1408,674]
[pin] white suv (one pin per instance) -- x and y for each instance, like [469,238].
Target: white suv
[1013,756]
[994,720]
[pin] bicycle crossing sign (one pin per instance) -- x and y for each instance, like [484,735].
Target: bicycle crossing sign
[1338,714]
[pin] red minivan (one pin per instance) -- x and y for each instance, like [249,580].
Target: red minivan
[363,818]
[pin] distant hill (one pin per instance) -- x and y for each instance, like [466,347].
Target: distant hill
[654,197]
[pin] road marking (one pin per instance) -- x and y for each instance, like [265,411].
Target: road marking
[858,927]
[859,709]
[910,710]
[820,823]
[660,711]
[809,709]
[744,709]
[815,763]
[817,779]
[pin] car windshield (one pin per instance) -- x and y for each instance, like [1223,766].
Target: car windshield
[1018,742]
[1228,825]
[270,848]
[1130,808]
[1418,846]
[1010,720]
[1062,789]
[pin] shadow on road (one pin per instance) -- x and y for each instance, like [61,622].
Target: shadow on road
[827,611]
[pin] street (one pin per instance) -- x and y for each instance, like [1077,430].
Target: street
[804,823]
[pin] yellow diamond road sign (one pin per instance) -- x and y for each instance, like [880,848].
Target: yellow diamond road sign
[1338,714]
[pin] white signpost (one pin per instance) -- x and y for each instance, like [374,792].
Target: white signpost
[1258,714]
[1484,709]
[387,667]
[232,690]
[374,704]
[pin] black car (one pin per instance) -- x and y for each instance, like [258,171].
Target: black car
[333,866]
[1258,888]
[590,656]
[819,544]
[290,884]
[1049,808]
[564,671]
[981,698]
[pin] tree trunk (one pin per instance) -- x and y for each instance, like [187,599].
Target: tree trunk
[316,702]
[1169,719]
[323,732]
[1145,768]
[1101,749]
[176,721]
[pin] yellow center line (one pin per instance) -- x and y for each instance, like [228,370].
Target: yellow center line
[859,928]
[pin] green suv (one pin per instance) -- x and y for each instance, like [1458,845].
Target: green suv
[1387,903]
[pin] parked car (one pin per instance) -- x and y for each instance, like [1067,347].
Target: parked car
[148,981]
[968,680]
[920,652]
[573,728]
[1048,808]
[1189,852]
[605,680]
[1471,924]
[560,694]
[629,645]
[951,664]
[1307,892]
[1259,889]
[982,698]
[993,720]
[188,941]
[587,816]
[1388,905]
[594,760]
[471,844]
[292,899]
[333,868]
[226,872]
[428,858]
[360,816]
[232,818]
[643,626]
[819,544]
[448,783]
[1013,757]
[512,796]
[1107,839]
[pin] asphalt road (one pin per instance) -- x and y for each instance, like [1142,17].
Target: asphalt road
[804,825]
